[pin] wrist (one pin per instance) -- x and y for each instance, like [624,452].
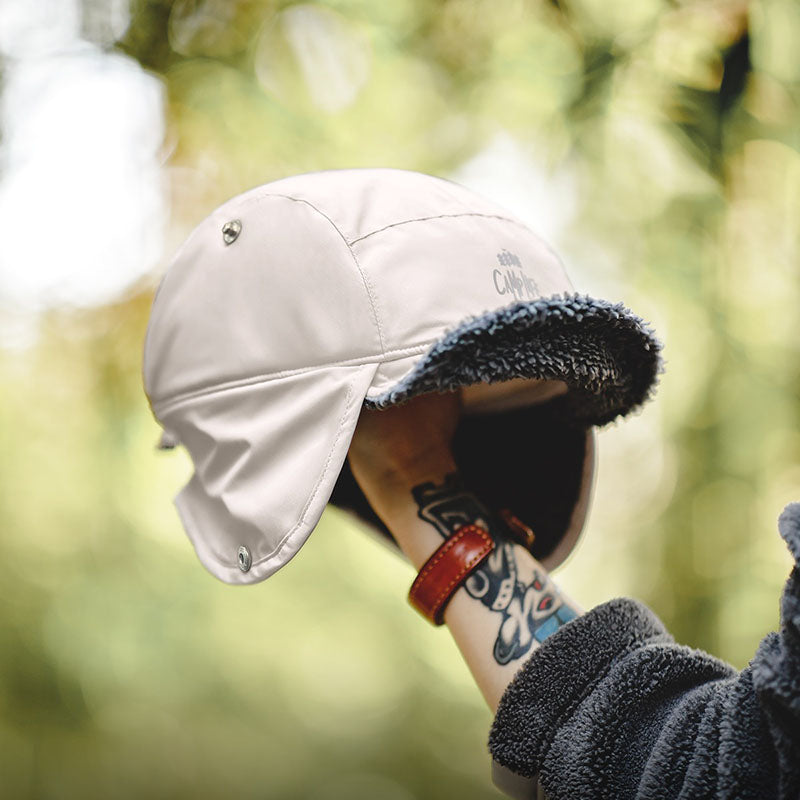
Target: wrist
[391,494]
[415,538]
[396,506]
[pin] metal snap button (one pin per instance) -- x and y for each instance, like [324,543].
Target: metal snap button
[231,231]
[244,559]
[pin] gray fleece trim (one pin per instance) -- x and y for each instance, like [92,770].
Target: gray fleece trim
[608,357]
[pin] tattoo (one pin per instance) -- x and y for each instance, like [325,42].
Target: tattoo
[530,609]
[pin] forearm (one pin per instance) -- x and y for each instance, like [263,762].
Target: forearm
[495,643]
[507,606]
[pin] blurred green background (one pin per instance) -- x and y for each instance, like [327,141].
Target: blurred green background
[655,144]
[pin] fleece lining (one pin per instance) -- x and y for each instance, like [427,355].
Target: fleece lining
[611,707]
[607,356]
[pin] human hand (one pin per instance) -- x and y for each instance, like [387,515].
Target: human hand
[401,455]
[399,447]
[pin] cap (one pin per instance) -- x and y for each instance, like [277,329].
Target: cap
[295,305]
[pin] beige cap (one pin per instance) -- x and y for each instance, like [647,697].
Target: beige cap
[296,304]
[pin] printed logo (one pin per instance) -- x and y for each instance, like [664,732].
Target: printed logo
[509,259]
[513,281]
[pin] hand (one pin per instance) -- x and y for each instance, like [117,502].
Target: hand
[396,448]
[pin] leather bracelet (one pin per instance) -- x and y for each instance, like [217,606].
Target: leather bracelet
[518,530]
[447,569]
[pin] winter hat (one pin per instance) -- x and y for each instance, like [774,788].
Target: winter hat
[293,306]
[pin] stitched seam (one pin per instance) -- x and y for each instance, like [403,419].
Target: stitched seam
[285,541]
[367,285]
[441,553]
[167,404]
[438,216]
[468,565]
[301,521]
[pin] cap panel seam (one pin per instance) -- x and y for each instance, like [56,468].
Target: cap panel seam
[439,216]
[167,404]
[365,279]
[290,533]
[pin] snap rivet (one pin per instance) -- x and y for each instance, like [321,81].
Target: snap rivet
[244,559]
[231,231]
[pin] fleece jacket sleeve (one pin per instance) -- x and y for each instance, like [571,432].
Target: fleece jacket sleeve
[611,707]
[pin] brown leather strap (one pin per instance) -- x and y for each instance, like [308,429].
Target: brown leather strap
[447,569]
[518,529]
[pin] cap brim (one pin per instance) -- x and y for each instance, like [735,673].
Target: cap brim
[607,356]
[544,372]
[266,457]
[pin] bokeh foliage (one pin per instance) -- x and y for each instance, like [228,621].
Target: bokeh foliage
[126,671]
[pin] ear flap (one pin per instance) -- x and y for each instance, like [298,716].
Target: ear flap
[266,457]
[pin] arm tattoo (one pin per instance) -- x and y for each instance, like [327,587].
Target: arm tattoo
[531,609]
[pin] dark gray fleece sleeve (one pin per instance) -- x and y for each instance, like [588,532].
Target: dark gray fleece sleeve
[611,707]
